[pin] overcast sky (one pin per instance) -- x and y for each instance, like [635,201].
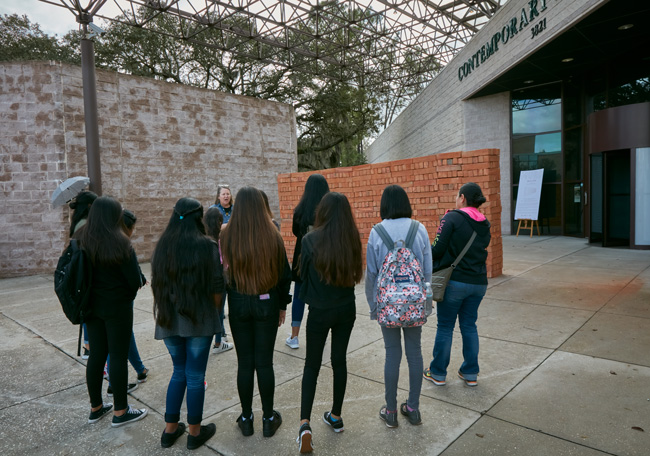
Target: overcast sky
[54,20]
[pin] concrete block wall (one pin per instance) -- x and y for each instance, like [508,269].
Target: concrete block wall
[158,142]
[432,183]
[444,118]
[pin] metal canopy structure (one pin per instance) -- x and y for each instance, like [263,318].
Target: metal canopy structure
[344,40]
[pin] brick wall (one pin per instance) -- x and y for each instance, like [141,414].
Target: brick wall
[431,182]
[158,142]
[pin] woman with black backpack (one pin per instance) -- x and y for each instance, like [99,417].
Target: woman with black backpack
[116,279]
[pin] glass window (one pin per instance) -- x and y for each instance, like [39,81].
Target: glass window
[642,197]
[536,116]
[573,154]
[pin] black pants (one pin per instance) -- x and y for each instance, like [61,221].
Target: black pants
[340,321]
[109,335]
[254,327]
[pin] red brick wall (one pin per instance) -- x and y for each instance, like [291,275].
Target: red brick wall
[431,182]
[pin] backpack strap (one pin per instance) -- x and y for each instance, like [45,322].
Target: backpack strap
[410,237]
[383,234]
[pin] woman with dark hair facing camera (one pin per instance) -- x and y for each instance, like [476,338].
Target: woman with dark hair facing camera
[115,282]
[303,218]
[330,266]
[187,283]
[259,279]
[466,287]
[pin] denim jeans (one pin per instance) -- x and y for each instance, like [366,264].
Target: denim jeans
[461,301]
[254,327]
[190,358]
[297,306]
[340,321]
[413,349]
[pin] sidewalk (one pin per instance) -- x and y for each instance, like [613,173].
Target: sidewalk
[565,369]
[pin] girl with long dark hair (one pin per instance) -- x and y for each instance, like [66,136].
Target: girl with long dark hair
[303,218]
[258,282]
[330,266]
[116,279]
[467,286]
[187,284]
[395,212]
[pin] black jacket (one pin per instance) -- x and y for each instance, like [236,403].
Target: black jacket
[455,229]
[315,291]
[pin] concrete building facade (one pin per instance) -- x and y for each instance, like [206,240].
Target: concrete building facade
[575,60]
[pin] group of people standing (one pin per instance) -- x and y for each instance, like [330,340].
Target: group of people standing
[200,258]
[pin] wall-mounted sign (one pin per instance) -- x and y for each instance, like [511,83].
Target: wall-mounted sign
[529,15]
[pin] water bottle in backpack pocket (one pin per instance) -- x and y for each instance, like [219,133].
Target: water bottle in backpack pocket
[401,291]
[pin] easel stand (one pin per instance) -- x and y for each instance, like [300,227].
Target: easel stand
[530,227]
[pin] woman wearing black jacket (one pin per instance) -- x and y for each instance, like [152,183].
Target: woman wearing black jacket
[258,282]
[115,281]
[330,266]
[467,286]
[303,218]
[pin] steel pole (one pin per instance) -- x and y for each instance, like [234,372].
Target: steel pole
[90,114]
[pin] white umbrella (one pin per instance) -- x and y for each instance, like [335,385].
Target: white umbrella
[68,189]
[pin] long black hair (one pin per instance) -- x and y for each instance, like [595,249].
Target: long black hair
[213,219]
[337,244]
[315,188]
[102,237]
[182,266]
[80,206]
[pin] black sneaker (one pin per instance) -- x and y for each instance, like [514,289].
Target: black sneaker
[99,414]
[336,425]
[129,389]
[413,417]
[206,432]
[270,425]
[389,418]
[167,440]
[246,425]
[142,376]
[305,443]
[131,415]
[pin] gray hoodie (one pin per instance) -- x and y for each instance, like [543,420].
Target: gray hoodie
[377,250]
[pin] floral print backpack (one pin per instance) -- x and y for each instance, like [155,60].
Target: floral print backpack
[401,290]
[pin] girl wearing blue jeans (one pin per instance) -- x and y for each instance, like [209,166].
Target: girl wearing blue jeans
[187,283]
[467,286]
[303,219]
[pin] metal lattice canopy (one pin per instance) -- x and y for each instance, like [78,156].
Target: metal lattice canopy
[345,40]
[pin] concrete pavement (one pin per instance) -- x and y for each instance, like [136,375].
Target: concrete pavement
[565,370]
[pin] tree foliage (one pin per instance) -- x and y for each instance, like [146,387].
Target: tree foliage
[20,39]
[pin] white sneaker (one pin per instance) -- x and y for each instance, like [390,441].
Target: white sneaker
[292,342]
[223,347]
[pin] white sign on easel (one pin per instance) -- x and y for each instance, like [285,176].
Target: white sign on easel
[529,194]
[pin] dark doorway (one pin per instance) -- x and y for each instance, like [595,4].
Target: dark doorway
[616,198]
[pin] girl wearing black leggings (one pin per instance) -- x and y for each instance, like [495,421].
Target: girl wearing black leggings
[115,281]
[259,278]
[330,266]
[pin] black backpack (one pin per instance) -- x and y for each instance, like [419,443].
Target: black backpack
[72,279]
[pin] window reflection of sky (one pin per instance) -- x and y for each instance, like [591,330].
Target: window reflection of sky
[536,117]
[550,144]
